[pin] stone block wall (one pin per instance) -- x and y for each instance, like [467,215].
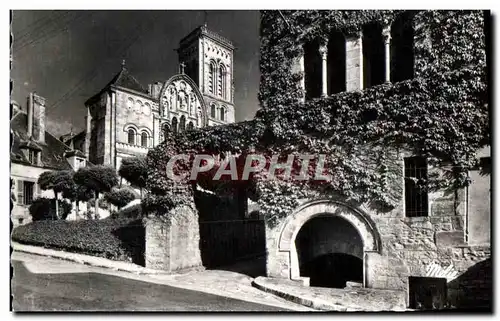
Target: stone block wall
[173,243]
[408,248]
[354,63]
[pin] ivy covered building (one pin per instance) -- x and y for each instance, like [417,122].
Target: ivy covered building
[398,101]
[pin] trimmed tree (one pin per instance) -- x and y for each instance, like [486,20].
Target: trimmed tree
[134,171]
[58,182]
[78,193]
[98,179]
[120,197]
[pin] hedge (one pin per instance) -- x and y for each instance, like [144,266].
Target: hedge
[117,239]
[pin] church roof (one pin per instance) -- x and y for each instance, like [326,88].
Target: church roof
[52,152]
[122,79]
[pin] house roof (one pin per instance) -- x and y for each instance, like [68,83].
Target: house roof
[121,79]
[52,152]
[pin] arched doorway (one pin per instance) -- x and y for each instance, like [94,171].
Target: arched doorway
[326,232]
[330,252]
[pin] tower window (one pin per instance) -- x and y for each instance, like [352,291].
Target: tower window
[174,125]
[144,139]
[373,55]
[190,126]
[222,82]
[223,114]
[416,198]
[211,78]
[213,113]
[131,136]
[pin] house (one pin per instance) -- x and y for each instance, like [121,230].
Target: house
[34,151]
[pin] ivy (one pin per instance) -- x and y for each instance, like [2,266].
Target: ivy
[441,114]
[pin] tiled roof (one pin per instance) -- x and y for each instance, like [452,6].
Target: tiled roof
[122,79]
[52,152]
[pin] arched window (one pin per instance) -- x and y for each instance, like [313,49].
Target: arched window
[144,139]
[165,128]
[402,58]
[223,113]
[312,69]
[182,124]
[131,136]
[373,55]
[221,81]
[336,63]
[174,125]
[211,78]
[213,113]
[190,126]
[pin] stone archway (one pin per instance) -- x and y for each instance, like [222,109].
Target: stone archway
[287,255]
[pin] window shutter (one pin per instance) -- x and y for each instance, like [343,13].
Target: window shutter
[20,194]
[38,191]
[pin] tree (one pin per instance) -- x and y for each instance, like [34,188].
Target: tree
[98,179]
[78,193]
[120,197]
[57,181]
[134,170]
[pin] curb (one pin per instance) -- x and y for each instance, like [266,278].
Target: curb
[130,268]
[317,304]
[85,259]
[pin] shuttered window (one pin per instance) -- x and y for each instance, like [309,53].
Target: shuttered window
[20,192]
[26,192]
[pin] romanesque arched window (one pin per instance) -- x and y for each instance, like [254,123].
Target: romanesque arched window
[131,136]
[174,125]
[211,77]
[373,55]
[223,113]
[144,139]
[402,58]
[221,81]
[165,128]
[213,112]
[190,125]
[182,124]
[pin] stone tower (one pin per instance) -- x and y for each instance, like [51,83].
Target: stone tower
[207,58]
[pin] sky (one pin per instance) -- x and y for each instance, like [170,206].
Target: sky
[68,56]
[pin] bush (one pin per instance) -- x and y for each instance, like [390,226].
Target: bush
[120,197]
[118,239]
[45,209]
[134,211]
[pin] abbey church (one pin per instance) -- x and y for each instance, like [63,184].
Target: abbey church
[125,119]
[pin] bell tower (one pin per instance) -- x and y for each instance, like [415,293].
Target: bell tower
[208,60]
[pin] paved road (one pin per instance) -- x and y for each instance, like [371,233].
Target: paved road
[90,291]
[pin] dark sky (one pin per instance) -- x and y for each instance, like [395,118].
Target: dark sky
[67,56]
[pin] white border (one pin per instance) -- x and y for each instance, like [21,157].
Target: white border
[199,5]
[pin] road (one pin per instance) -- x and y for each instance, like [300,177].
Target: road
[77,287]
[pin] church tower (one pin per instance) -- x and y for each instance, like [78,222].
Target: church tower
[207,58]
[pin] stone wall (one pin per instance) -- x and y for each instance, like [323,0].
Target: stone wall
[354,63]
[408,247]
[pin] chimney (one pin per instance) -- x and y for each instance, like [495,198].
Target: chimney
[30,115]
[36,117]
